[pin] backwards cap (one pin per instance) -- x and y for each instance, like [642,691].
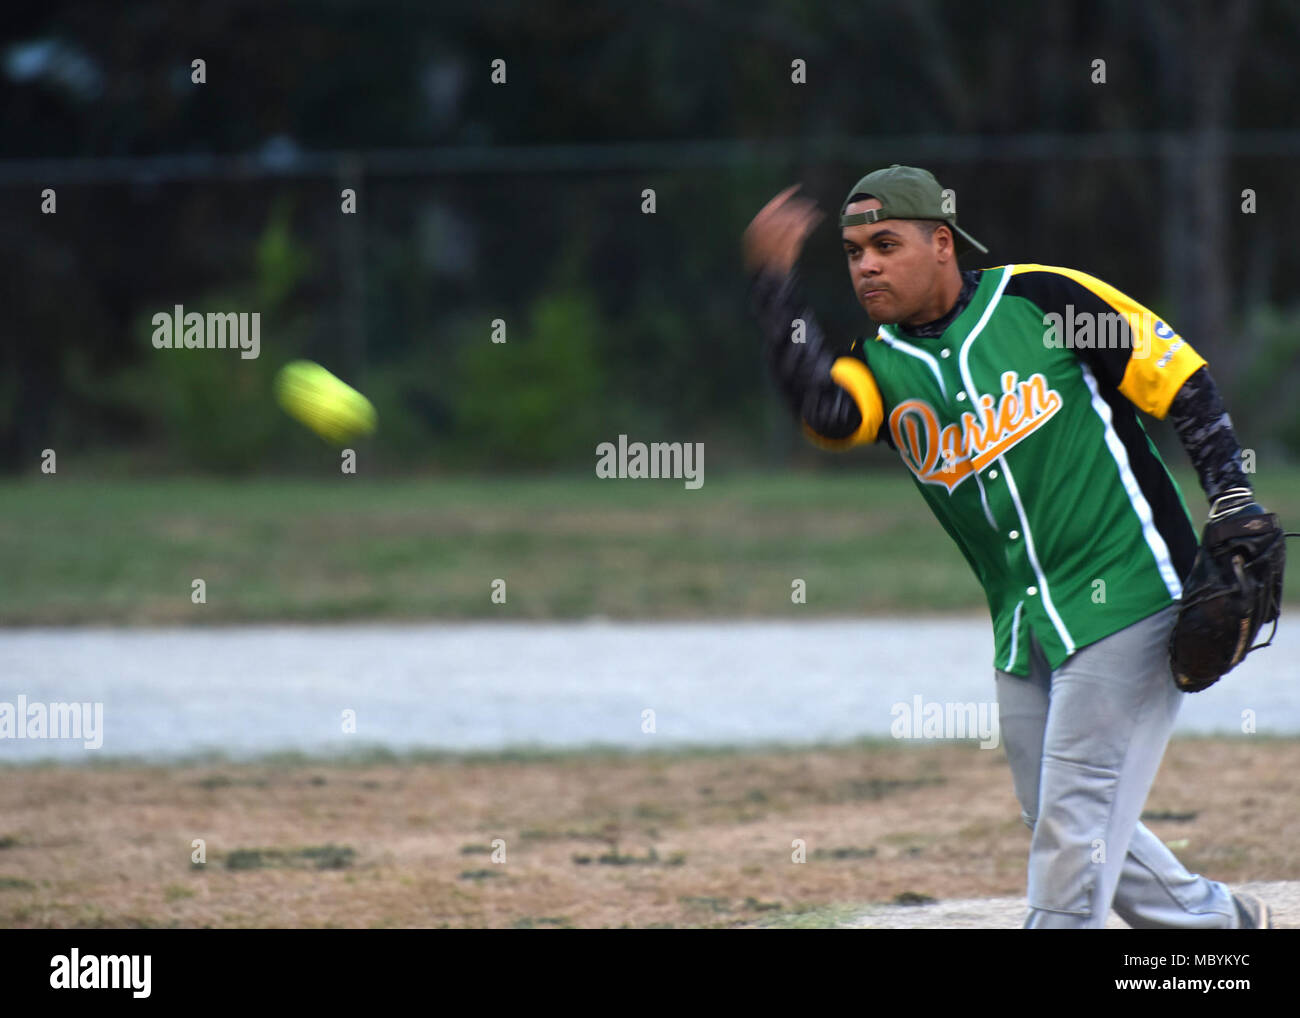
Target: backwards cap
[907,192]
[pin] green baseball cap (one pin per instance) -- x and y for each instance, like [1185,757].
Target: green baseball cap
[907,192]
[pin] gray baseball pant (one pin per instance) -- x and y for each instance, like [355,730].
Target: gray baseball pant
[1084,744]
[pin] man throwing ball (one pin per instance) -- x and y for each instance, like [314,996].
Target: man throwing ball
[1020,430]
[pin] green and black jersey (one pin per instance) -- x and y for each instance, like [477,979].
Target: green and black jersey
[1019,425]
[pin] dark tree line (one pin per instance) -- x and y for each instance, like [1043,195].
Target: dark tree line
[523,201]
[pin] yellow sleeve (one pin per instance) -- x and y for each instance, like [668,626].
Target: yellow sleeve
[855,378]
[1151,382]
[1157,362]
[1161,360]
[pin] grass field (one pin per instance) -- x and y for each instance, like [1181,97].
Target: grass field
[126,552]
[698,838]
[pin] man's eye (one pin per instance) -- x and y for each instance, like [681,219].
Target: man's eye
[886,243]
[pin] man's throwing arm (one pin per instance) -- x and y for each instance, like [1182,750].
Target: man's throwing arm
[835,397]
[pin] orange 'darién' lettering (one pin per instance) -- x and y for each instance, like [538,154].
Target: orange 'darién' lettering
[950,454]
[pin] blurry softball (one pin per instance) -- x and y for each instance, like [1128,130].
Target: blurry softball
[330,407]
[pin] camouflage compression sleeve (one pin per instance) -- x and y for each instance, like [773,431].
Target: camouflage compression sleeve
[802,371]
[1203,426]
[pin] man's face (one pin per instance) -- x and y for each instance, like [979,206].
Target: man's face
[894,266]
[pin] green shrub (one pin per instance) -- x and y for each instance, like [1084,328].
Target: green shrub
[535,400]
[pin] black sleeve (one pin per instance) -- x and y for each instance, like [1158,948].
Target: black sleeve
[1203,426]
[1057,293]
[802,371]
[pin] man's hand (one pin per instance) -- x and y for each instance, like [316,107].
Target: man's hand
[777,234]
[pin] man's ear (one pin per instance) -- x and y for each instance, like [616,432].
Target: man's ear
[945,241]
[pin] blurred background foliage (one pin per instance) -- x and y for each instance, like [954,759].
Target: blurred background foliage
[474,205]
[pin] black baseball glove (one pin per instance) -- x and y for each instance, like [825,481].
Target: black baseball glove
[1234,588]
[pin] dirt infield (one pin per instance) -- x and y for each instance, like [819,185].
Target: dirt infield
[592,839]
